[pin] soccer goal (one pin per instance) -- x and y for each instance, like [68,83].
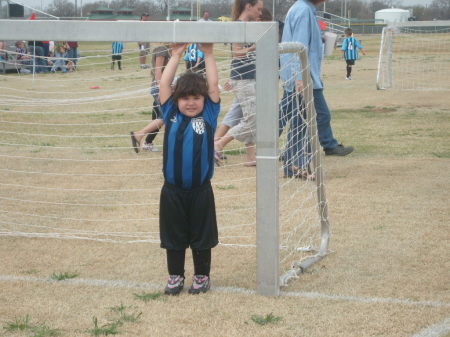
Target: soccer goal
[68,171]
[414,56]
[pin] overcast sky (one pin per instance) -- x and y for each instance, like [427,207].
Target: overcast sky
[37,3]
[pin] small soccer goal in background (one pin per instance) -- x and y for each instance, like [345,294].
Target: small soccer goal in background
[415,56]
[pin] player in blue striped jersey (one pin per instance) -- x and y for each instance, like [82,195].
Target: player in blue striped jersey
[350,47]
[117,48]
[187,209]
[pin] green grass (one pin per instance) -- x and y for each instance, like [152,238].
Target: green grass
[19,324]
[24,324]
[104,330]
[146,297]
[267,319]
[234,152]
[225,187]
[63,276]
[45,331]
[124,316]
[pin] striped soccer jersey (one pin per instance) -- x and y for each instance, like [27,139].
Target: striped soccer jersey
[117,48]
[188,152]
[350,47]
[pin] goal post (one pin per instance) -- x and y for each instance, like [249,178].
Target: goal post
[265,35]
[284,241]
[322,205]
[414,56]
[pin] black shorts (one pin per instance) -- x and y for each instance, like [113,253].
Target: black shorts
[187,218]
[116,57]
[350,62]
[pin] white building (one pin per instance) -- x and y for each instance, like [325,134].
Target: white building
[392,15]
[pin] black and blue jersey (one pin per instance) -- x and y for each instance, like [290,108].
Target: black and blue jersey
[117,48]
[350,46]
[188,152]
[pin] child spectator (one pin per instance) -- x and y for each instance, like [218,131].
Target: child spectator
[350,47]
[23,60]
[117,48]
[59,62]
[194,58]
[187,208]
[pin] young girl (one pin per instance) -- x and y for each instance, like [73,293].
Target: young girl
[187,209]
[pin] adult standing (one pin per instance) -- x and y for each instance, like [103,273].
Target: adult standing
[144,47]
[301,26]
[243,82]
[205,16]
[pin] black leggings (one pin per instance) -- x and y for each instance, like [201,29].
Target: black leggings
[202,261]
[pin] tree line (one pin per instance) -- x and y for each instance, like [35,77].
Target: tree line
[355,9]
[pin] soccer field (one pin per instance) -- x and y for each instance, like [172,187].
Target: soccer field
[78,204]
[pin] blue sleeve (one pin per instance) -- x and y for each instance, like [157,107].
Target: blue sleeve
[297,28]
[358,44]
[211,112]
[167,109]
[344,44]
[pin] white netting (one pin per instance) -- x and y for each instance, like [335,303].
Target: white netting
[415,58]
[68,170]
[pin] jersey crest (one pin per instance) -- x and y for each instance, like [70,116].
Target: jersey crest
[198,124]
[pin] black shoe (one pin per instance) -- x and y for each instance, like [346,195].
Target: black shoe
[339,150]
[200,284]
[175,284]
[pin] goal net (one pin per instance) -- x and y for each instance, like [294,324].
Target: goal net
[415,57]
[68,170]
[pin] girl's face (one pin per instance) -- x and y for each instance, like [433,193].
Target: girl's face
[191,105]
[254,12]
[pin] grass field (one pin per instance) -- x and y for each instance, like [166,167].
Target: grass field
[79,214]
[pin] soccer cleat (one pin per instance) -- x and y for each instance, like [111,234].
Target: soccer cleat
[339,150]
[175,284]
[200,284]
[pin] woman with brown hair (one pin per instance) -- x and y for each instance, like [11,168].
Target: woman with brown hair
[243,82]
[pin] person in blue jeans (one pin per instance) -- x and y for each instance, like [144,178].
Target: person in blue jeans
[301,26]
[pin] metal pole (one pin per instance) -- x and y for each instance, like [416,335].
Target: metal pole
[267,231]
[273,9]
[168,10]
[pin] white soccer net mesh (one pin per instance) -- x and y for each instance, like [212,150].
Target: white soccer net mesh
[68,171]
[415,58]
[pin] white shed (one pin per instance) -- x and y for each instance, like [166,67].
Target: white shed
[391,15]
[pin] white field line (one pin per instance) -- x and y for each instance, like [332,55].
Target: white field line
[437,330]
[148,285]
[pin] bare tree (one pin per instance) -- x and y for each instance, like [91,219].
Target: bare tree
[440,9]
[61,8]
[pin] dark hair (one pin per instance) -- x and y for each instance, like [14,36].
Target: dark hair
[348,31]
[239,6]
[190,83]
[265,15]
